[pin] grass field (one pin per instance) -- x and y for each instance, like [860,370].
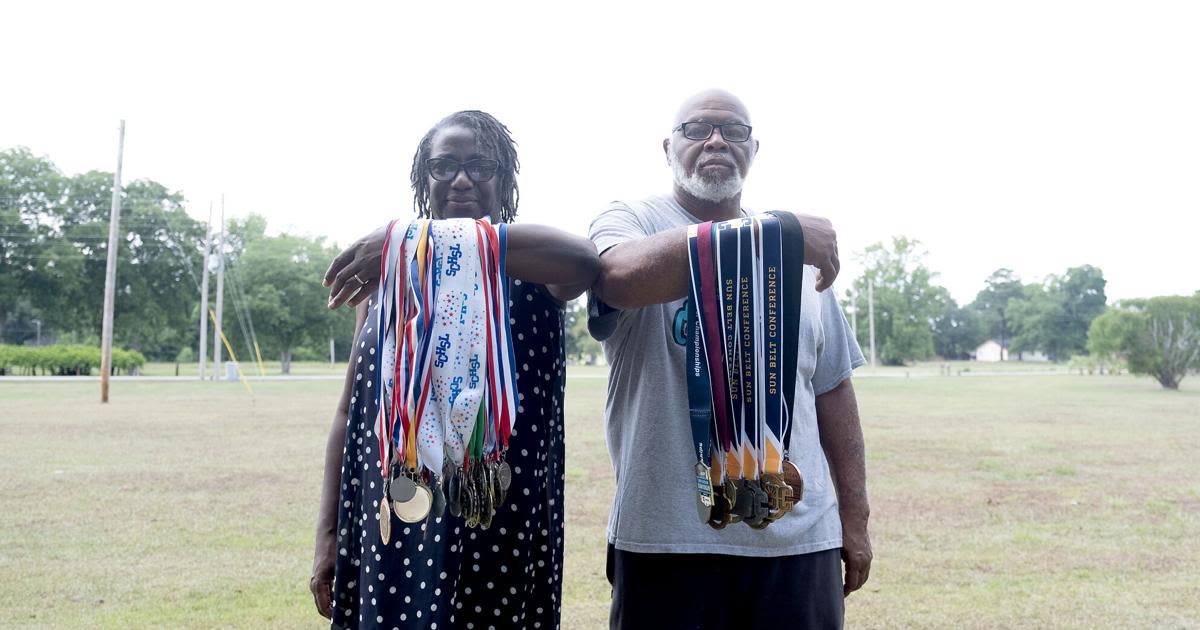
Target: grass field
[998,501]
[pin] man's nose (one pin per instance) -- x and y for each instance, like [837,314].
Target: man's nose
[461,181]
[716,142]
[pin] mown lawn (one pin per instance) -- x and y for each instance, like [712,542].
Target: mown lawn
[998,501]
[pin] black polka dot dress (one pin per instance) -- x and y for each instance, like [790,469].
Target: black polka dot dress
[440,573]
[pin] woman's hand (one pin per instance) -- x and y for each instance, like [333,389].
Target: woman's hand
[321,582]
[354,274]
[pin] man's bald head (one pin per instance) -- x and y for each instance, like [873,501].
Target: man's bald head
[712,99]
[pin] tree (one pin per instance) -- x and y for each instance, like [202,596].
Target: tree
[53,247]
[1000,289]
[958,331]
[1158,336]
[906,301]
[281,279]
[30,188]
[1054,316]
[579,343]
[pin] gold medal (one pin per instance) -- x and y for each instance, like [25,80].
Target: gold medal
[417,508]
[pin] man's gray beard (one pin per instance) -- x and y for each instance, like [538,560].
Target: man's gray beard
[706,189]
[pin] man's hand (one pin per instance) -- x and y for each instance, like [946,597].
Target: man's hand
[856,553]
[354,274]
[321,582]
[820,249]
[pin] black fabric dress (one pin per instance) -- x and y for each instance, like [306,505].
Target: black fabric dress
[440,573]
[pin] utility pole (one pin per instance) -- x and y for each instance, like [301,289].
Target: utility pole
[854,313]
[38,323]
[220,254]
[332,356]
[204,296]
[110,270]
[871,315]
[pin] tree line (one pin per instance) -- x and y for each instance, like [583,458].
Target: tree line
[1062,316]
[54,240]
[54,244]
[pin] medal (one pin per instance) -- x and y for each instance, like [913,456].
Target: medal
[704,493]
[504,473]
[415,509]
[385,521]
[454,490]
[447,398]
[793,478]
[437,505]
[402,488]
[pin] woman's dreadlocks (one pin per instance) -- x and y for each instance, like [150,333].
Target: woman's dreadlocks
[494,138]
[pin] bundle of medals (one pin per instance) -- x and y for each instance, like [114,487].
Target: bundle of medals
[447,403]
[743,314]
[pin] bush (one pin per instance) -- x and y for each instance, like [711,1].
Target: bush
[63,360]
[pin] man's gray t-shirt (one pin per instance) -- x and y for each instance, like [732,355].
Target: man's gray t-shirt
[649,436]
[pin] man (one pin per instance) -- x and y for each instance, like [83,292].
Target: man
[668,570]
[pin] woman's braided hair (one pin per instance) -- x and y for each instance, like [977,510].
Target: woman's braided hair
[494,138]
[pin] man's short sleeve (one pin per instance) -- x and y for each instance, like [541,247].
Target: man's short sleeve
[840,354]
[614,226]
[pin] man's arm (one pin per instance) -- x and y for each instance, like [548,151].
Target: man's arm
[654,269]
[842,440]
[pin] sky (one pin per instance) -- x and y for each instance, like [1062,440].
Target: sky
[1030,135]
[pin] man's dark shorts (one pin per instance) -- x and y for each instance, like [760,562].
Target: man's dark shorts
[664,591]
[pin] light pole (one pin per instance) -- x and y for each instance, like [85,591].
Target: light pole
[38,324]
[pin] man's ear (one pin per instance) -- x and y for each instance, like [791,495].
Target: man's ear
[756,146]
[667,149]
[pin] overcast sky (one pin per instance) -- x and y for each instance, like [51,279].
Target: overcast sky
[1031,135]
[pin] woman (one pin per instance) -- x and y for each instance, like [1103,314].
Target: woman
[439,573]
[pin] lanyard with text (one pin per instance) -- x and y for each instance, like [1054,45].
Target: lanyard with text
[700,397]
[447,397]
[743,313]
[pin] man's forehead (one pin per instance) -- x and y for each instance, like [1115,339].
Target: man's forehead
[713,106]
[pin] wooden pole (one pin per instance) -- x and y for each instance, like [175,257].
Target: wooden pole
[220,254]
[204,296]
[110,270]
[871,315]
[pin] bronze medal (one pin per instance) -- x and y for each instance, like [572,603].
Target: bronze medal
[793,478]
[385,521]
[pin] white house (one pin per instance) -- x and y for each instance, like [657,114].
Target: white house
[991,351]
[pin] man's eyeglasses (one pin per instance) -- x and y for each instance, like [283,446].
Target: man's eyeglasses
[446,169]
[731,132]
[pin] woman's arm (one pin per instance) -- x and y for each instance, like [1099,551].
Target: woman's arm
[567,264]
[321,583]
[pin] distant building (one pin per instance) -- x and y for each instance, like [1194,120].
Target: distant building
[991,351]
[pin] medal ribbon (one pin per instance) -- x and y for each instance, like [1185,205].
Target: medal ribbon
[726,236]
[793,283]
[746,333]
[700,398]
[772,328]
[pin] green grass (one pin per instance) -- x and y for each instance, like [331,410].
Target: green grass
[1005,501]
